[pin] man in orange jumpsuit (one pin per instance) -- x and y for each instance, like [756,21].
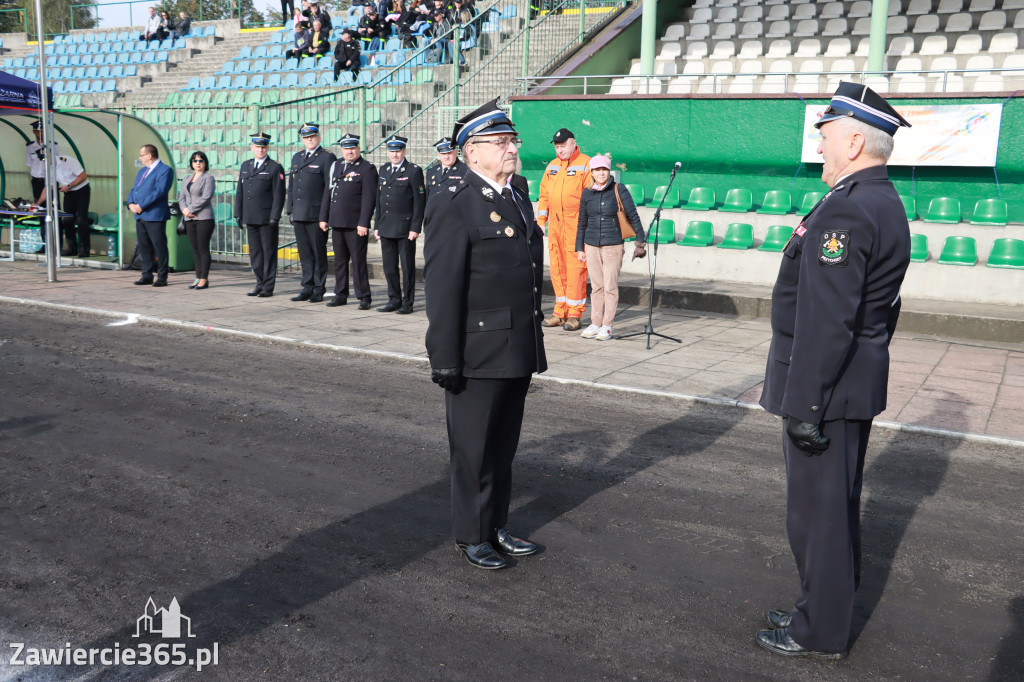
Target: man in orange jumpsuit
[565,178]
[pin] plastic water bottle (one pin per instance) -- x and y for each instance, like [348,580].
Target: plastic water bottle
[111,247]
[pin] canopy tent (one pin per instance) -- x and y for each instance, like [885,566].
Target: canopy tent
[20,96]
[106,143]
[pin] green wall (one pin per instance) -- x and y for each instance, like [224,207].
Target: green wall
[745,142]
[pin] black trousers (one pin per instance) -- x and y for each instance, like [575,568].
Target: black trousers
[484,421]
[38,184]
[349,245]
[263,255]
[311,243]
[393,252]
[199,233]
[76,229]
[287,10]
[823,523]
[152,236]
[339,67]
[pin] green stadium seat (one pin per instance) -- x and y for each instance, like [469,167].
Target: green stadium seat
[224,213]
[809,201]
[701,199]
[203,99]
[918,248]
[989,212]
[959,251]
[738,236]
[943,210]
[776,202]
[671,200]
[212,156]
[666,232]
[738,201]
[776,237]
[910,206]
[637,192]
[373,115]
[216,137]
[534,189]
[1006,253]
[350,116]
[698,233]
[422,76]
[106,223]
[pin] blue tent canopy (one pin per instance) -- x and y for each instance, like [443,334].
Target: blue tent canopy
[20,96]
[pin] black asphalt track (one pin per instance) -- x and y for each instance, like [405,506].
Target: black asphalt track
[295,503]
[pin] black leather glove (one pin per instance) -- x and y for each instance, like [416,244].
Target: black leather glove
[274,223]
[806,436]
[448,378]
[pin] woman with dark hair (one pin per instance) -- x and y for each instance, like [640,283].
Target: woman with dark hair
[196,200]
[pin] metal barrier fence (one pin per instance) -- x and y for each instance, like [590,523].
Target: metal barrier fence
[804,83]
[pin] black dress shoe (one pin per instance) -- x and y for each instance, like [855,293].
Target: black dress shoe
[265,294]
[316,298]
[779,642]
[302,297]
[405,310]
[194,284]
[388,308]
[254,292]
[335,302]
[203,286]
[512,545]
[778,619]
[482,556]
[142,282]
[364,304]
[160,283]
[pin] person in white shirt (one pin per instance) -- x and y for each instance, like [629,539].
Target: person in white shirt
[73,183]
[35,159]
[153,29]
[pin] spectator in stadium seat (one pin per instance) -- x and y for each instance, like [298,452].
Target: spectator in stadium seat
[287,8]
[318,43]
[372,29]
[166,23]
[440,51]
[182,27]
[346,55]
[313,11]
[303,40]
[600,245]
[299,21]
[196,200]
[153,31]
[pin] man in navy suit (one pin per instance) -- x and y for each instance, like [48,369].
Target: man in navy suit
[148,201]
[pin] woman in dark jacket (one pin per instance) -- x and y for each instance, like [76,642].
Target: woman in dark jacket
[599,244]
[196,200]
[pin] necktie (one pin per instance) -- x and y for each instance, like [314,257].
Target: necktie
[309,155]
[508,196]
[444,172]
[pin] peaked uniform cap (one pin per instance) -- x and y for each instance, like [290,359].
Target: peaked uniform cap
[487,120]
[444,145]
[854,100]
[260,139]
[397,142]
[348,140]
[309,129]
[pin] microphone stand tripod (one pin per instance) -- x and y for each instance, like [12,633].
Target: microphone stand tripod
[656,222]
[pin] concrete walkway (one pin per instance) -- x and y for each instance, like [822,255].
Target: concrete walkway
[962,386]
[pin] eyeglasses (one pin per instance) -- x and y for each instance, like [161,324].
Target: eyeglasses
[197,161]
[502,144]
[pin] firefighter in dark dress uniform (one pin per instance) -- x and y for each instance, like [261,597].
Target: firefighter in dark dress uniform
[446,169]
[309,178]
[483,276]
[259,201]
[834,311]
[346,209]
[401,197]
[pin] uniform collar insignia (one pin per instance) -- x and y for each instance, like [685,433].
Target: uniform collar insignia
[488,192]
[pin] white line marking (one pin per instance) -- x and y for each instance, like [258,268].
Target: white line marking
[131,319]
[699,399]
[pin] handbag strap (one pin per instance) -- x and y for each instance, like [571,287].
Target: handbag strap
[618,199]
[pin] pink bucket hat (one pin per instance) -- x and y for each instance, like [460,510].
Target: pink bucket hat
[600,161]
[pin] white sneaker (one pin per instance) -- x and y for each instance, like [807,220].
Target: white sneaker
[603,334]
[590,332]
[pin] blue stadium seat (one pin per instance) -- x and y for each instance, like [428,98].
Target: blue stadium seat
[124,58]
[148,57]
[58,87]
[124,35]
[327,79]
[289,25]
[91,72]
[223,83]
[345,78]
[508,12]
[275,65]
[165,44]
[307,64]
[309,79]
[179,44]
[392,45]
[104,72]
[260,52]
[243,66]
[90,37]
[229,67]
[162,56]
[96,86]
[210,83]
[130,70]
[404,77]
[259,66]
[78,72]
[20,73]
[256,80]
[240,82]
[325,63]
[137,57]
[109,85]
[193,84]
[291,64]
[290,80]
[85,60]
[273,80]
[209,31]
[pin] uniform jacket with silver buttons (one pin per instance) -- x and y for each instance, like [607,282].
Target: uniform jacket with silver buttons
[309,177]
[401,197]
[836,303]
[437,179]
[483,275]
[598,223]
[350,196]
[259,198]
